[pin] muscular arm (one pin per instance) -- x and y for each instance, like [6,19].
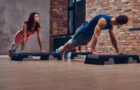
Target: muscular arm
[39,39]
[114,40]
[101,23]
[95,38]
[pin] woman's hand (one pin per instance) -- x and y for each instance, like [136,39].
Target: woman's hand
[22,51]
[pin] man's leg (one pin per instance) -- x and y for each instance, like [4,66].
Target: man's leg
[67,47]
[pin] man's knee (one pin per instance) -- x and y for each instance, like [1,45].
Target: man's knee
[69,43]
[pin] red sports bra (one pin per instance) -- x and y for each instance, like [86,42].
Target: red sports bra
[30,33]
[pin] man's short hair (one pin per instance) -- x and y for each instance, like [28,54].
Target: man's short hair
[122,19]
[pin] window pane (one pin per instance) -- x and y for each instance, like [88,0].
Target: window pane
[70,3]
[78,0]
[71,21]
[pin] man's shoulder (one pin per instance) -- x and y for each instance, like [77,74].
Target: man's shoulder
[102,22]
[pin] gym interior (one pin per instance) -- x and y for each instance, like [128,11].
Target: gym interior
[59,20]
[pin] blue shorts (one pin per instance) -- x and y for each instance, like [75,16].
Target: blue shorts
[79,39]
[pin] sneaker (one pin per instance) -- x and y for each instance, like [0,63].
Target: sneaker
[10,53]
[58,50]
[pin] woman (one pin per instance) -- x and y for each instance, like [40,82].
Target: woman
[22,36]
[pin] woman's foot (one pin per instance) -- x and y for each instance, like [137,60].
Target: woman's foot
[10,53]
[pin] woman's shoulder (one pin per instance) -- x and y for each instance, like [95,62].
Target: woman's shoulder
[25,22]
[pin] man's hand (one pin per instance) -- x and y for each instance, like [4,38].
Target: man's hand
[101,24]
[94,53]
[121,53]
[42,51]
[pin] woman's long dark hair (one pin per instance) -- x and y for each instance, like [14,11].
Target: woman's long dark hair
[30,22]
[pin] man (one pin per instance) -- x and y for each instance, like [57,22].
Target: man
[92,30]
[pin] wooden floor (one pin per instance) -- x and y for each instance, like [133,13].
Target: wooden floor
[64,75]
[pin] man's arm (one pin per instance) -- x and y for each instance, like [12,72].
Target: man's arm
[94,39]
[101,23]
[114,40]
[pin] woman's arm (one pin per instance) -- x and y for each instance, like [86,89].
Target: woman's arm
[24,37]
[39,40]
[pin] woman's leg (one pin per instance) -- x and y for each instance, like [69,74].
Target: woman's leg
[15,44]
[17,41]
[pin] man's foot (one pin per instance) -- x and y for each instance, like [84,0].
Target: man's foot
[10,53]
[58,50]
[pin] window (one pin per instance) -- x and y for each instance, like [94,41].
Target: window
[76,15]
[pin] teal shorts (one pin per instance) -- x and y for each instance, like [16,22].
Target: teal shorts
[79,39]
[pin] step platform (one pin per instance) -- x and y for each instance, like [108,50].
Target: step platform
[43,56]
[111,59]
[72,55]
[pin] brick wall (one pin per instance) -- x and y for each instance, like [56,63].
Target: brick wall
[58,19]
[129,41]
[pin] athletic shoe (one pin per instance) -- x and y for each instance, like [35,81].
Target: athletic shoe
[58,50]
[10,53]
